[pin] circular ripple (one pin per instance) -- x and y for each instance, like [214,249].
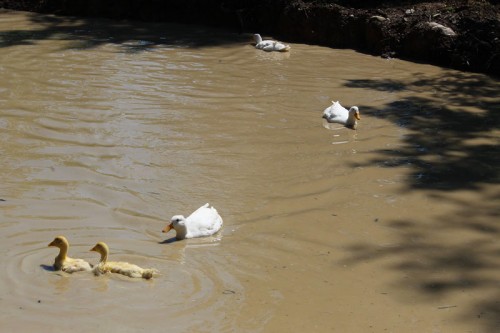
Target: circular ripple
[192,290]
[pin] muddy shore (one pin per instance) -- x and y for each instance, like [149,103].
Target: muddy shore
[458,34]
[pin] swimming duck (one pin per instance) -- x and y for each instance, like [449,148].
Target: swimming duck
[204,221]
[270,45]
[336,113]
[123,268]
[65,263]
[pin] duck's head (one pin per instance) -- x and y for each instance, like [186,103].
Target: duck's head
[354,110]
[60,242]
[176,222]
[102,249]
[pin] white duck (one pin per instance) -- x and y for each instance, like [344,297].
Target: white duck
[65,263]
[270,45]
[204,221]
[336,113]
[119,267]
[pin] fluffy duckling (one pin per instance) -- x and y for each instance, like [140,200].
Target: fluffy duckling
[65,263]
[204,221]
[270,45]
[336,113]
[123,268]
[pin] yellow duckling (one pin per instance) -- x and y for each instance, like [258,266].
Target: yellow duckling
[65,263]
[123,268]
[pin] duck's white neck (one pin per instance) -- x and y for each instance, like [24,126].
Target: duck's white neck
[180,231]
[257,38]
[351,119]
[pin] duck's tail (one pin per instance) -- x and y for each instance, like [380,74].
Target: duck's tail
[149,273]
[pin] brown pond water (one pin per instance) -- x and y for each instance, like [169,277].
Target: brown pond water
[110,128]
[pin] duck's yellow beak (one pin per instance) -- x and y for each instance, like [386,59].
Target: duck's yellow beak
[168,227]
[356,115]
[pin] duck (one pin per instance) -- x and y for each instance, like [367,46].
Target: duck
[64,263]
[270,45]
[205,221]
[336,113]
[119,267]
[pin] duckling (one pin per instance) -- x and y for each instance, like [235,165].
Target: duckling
[65,263]
[336,113]
[204,221]
[123,268]
[270,45]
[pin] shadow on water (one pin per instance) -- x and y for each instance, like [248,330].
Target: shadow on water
[448,147]
[133,36]
[451,147]
[168,241]
[48,268]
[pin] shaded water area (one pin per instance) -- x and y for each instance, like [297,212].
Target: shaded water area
[108,128]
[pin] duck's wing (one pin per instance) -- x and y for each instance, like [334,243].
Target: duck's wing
[272,45]
[71,265]
[268,47]
[124,268]
[199,212]
[131,270]
[264,45]
[339,108]
[331,112]
[204,221]
[335,113]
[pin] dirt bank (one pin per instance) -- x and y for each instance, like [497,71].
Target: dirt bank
[461,34]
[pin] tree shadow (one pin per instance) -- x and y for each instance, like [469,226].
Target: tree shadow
[132,36]
[451,148]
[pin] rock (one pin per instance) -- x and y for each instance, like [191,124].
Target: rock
[441,28]
[375,27]
[429,41]
[378,18]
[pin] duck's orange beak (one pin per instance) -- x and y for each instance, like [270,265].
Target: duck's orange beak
[356,115]
[168,227]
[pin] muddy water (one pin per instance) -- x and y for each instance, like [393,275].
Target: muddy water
[110,128]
